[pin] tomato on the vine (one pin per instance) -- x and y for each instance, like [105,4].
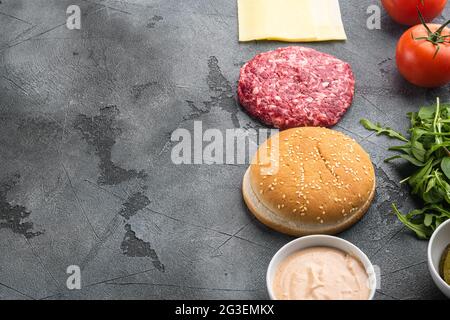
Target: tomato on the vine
[423,55]
[405,11]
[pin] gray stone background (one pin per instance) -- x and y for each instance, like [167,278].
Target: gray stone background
[86,177]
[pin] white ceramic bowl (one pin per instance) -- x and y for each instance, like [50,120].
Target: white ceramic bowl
[319,241]
[438,242]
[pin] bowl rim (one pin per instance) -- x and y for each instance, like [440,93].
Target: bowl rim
[364,259]
[430,248]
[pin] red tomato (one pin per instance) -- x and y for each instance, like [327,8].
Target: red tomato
[417,60]
[405,11]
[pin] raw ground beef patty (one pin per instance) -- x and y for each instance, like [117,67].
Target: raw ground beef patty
[296,87]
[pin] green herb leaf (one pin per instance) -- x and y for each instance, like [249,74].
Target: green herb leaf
[428,150]
[413,160]
[445,166]
[421,230]
[426,113]
[382,131]
[418,150]
[428,220]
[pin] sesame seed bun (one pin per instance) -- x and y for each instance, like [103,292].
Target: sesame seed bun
[309,181]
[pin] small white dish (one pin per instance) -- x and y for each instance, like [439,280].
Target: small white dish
[438,242]
[319,241]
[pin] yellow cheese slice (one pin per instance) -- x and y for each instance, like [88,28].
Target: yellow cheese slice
[290,20]
[272,19]
[327,20]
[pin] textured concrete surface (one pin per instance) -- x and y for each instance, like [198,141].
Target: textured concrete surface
[85,172]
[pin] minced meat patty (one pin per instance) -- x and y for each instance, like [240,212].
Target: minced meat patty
[296,87]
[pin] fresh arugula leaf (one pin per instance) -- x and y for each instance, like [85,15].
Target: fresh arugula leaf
[436,147]
[420,229]
[421,174]
[428,220]
[382,131]
[445,166]
[418,151]
[428,150]
[413,160]
[434,195]
[406,148]
[426,113]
